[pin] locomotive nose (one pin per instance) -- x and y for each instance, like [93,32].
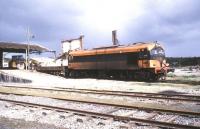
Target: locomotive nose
[160,59]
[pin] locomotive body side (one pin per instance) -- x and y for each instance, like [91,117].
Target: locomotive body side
[136,61]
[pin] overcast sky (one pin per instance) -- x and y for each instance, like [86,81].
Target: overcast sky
[175,23]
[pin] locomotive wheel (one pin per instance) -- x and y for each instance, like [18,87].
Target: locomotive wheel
[153,77]
[73,74]
[163,77]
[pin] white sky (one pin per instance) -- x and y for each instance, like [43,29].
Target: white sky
[174,22]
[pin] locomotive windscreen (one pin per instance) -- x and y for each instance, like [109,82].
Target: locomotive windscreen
[157,54]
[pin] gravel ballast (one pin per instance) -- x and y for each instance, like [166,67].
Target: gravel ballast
[70,120]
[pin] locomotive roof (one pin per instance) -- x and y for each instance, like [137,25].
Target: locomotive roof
[136,47]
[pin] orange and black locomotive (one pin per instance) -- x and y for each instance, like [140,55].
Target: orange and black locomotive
[141,61]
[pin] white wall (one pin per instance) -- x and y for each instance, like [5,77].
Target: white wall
[74,44]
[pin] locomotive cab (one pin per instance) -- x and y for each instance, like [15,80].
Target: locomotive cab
[158,61]
[157,57]
[152,62]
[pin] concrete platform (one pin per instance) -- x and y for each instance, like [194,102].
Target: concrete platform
[5,77]
[36,78]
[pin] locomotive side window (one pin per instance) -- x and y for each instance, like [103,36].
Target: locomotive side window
[144,54]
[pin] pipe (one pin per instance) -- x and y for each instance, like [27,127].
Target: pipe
[81,41]
[114,37]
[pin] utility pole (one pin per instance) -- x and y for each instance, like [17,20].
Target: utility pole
[27,50]
[29,35]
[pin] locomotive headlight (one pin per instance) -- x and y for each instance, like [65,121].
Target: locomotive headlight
[154,63]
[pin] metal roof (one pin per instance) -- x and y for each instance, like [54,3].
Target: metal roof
[21,48]
[136,47]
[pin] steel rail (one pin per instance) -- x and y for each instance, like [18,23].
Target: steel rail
[130,92]
[151,122]
[139,95]
[171,97]
[178,112]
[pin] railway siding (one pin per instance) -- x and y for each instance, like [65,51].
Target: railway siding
[64,95]
[105,115]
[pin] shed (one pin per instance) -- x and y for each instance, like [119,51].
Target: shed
[14,47]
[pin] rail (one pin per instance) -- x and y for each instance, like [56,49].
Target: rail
[121,118]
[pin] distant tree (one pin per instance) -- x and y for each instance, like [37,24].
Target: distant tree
[183,61]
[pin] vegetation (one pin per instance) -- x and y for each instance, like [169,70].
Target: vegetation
[183,61]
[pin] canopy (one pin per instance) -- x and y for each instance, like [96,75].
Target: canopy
[21,48]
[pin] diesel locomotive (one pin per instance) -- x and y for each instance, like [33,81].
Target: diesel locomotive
[140,61]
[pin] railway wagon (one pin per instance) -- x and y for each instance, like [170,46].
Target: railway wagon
[54,70]
[141,61]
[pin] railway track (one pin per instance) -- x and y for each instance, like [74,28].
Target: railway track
[118,93]
[164,96]
[145,95]
[104,115]
[62,95]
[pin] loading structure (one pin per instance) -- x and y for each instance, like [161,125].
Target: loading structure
[13,47]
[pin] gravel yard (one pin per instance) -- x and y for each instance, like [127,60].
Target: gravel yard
[69,120]
[46,118]
[8,123]
[50,81]
[19,115]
